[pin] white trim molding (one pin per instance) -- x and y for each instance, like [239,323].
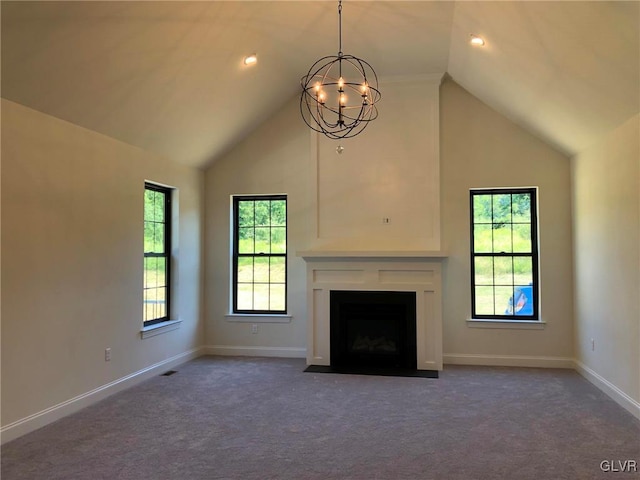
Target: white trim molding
[375,271]
[514,324]
[159,328]
[251,351]
[372,254]
[258,318]
[434,78]
[40,419]
[621,398]
[508,360]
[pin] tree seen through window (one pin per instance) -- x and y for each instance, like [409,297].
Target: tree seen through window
[260,254]
[504,254]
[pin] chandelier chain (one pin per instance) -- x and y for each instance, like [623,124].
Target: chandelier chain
[340,28]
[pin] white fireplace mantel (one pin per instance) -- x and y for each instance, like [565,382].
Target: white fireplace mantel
[402,271]
[372,254]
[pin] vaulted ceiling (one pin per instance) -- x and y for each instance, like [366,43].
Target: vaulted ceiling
[168,76]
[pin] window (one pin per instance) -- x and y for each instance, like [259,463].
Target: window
[504,254]
[260,254]
[157,250]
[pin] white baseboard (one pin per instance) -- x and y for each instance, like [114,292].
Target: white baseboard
[610,389]
[508,360]
[245,351]
[56,412]
[51,414]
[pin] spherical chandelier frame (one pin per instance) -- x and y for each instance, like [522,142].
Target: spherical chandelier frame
[341,118]
[339,94]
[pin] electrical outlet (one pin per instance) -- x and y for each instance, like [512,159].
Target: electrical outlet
[386,220]
[254,328]
[107,354]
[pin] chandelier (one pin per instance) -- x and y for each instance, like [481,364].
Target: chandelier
[339,94]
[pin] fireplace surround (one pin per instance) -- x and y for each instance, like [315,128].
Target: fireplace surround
[414,272]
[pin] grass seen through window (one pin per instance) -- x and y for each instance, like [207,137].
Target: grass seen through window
[156,254]
[504,253]
[260,249]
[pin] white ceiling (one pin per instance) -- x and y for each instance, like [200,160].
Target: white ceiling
[168,76]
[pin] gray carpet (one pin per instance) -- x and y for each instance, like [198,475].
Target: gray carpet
[256,418]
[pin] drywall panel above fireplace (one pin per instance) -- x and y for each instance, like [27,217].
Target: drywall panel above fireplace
[383,191]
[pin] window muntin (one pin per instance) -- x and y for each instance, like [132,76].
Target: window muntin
[260,254]
[504,254]
[157,248]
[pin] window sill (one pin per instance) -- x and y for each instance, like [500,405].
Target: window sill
[159,328]
[514,324]
[258,318]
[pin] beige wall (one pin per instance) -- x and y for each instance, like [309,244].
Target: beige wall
[72,243]
[72,203]
[606,219]
[335,202]
[481,148]
[274,159]
[390,171]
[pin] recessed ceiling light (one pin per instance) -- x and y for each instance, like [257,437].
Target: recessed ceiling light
[250,59]
[476,40]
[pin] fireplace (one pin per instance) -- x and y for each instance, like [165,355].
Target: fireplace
[416,274]
[372,330]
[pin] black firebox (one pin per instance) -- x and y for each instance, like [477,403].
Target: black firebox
[373,330]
